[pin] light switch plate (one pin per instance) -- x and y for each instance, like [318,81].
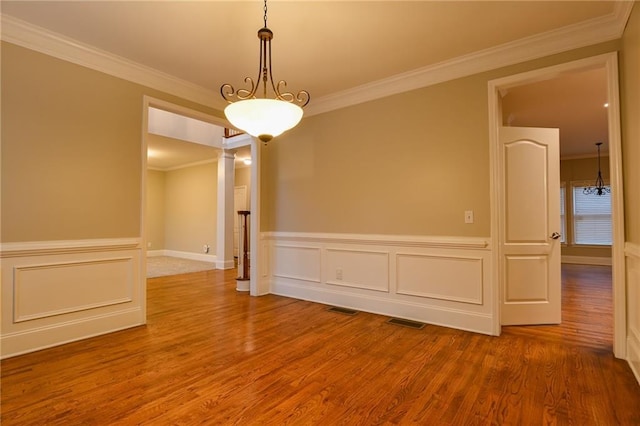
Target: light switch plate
[468,216]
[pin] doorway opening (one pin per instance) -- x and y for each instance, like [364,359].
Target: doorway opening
[505,111]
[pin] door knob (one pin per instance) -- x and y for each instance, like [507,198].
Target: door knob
[555,236]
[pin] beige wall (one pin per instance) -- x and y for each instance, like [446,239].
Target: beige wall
[191,208]
[154,213]
[408,164]
[582,170]
[630,98]
[71,150]
[243,178]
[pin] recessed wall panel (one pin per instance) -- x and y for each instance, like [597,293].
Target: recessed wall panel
[297,262]
[358,268]
[57,288]
[457,279]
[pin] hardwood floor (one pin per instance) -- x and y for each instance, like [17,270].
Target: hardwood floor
[210,355]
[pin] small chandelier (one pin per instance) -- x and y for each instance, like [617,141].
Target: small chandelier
[264,118]
[599,188]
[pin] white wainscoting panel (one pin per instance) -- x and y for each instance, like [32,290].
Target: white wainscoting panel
[440,277]
[296,262]
[632,253]
[357,268]
[43,290]
[438,280]
[60,291]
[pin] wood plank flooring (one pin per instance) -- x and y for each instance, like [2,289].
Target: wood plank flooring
[210,355]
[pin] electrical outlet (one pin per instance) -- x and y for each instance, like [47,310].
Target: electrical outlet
[205,248]
[468,216]
[339,274]
[149,245]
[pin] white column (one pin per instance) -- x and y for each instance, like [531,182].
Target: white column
[224,246]
[258,273]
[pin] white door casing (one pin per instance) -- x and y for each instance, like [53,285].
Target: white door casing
[495,87]
[530,221]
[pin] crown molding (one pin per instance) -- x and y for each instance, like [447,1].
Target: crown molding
[598,30]
[593,31]
[36,38]
[183,166]
[583,156]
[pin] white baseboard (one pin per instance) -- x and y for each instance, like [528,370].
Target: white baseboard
[221,264]
[587,260]
[633,356]
[36,339]
[476,322]
[155,253]
[202,257]
[632,253]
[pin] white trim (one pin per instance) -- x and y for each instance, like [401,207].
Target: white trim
[33,248]
[184,166]
[476,322]
[30,321]
[582,156]
[587,260]
[433,289]
[150,101]
[257,256]
[237,141]
[597,30]
[634,355]
[618,268]
[35,339]
[610,62]
[632,250]
[372,239]
[211,258]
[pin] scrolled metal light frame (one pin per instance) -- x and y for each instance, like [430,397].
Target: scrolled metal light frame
[265,78]
[600,188]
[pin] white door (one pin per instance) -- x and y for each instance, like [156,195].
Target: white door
[530,226]
[239,203]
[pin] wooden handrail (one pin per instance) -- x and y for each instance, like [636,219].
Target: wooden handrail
[229,133]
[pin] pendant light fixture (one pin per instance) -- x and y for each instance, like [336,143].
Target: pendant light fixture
[264,118]
[599,188]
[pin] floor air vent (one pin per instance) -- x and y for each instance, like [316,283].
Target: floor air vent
[340,310]
[406,323]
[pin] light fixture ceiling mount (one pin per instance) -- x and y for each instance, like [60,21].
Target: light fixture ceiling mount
[600,188]
[264,117]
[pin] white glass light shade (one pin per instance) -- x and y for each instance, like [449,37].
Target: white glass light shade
[263,118]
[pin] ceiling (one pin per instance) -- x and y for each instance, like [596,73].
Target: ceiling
[165,153]
[574,103]
[326,47]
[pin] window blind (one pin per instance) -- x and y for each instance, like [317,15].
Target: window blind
[591,218]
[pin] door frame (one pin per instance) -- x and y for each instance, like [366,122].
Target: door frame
[257,286]
[609,61]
